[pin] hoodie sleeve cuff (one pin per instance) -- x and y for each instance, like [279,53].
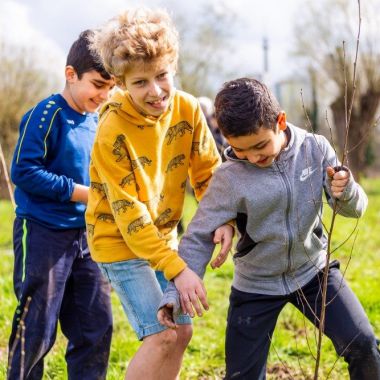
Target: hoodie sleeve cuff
[176,267]
[171,296]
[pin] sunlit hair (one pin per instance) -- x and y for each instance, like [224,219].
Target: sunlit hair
[243,106]
[139,35]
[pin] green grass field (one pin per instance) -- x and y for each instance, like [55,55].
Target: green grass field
[293,339]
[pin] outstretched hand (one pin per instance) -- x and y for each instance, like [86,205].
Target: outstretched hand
[339,181]
[192,292]
[223,235]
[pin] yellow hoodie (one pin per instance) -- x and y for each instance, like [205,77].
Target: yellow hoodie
[138,175]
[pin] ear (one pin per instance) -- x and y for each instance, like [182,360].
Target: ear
[281,120]
[70,74]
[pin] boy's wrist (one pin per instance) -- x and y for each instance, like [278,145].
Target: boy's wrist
[80,194]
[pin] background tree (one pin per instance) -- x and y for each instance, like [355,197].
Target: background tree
[204,49]
[22,85]
[318,38]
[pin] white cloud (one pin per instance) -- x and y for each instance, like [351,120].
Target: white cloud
[16,29]
[54,25]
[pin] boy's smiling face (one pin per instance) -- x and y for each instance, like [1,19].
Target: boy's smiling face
[87,93]
[261,148]
[151,86]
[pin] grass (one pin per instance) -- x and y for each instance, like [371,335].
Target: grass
[204,358]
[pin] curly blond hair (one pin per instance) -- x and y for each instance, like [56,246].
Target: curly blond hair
[136,35]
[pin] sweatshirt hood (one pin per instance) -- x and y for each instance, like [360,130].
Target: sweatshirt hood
[122,103]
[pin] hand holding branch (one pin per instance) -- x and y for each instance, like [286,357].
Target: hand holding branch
[339,179]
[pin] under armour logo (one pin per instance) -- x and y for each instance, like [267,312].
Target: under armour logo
[70,122]
[244,320]
[306,173]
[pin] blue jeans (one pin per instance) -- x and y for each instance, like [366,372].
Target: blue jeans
[140,289]
[252,319]
[54,269]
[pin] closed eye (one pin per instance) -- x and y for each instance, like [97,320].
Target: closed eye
[98,85]
[261,146]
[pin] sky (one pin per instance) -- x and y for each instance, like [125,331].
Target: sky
[51,26]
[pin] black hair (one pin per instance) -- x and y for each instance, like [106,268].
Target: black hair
[243,106]
[83,59]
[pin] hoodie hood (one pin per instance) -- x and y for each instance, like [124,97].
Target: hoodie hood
[122,103]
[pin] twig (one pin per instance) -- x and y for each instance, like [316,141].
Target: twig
[347,238]
[344,271]
[348,118]
[20,335]
[6,176]
[366,134]
[22,364]
[335,205]
[279,358]
[341,354]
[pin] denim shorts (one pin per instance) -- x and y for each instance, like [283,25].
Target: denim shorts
[140,289]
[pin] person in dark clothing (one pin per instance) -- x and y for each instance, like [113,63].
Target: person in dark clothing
[55,278]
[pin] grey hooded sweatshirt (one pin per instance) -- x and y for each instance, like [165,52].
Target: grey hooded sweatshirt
[278,211]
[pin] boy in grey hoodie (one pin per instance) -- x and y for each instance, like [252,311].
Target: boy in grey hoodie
[272,184]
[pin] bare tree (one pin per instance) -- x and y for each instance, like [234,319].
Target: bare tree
[345,73]
[22,85]
[204,48]
[319,34]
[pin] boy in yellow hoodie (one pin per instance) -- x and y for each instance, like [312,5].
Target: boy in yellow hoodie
[150,138]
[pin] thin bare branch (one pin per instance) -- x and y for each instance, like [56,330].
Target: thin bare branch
[20,334]
[6,176]
[335,205]
[279,358]
[349,111]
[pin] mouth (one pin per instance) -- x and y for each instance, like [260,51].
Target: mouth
[158,103]
[96,104]
[263,161]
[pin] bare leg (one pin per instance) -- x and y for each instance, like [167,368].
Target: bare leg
[171,367]
[160,355]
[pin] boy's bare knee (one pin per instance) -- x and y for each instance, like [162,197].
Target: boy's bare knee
[169,339]
[184,334]
[165,340]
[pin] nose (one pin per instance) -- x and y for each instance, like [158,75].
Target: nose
[154,89]
[252,157]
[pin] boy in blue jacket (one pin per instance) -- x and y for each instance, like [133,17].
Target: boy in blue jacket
[272,184]
[53,267]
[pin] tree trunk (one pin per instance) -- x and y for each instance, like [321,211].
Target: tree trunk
[360,130]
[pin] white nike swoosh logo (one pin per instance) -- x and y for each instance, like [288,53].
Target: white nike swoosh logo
[306,173]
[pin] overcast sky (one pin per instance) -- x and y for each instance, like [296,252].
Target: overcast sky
[52,25]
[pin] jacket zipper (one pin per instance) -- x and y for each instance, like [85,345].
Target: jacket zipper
[288,227]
